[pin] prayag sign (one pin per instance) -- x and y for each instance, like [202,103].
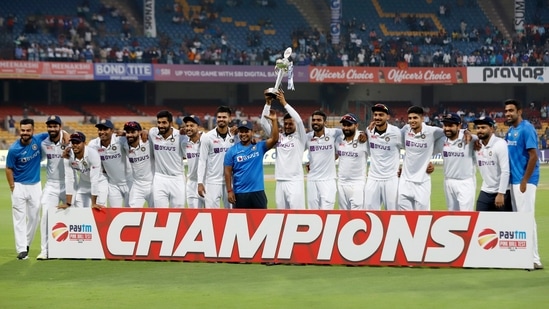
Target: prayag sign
[435,239]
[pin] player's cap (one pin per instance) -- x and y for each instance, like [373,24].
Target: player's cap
[452,118]
[380,108]
[54,119]
[191,118]
[246,124]
[485,120]
[350,118]
[132,126]
[77,137]
[105,123]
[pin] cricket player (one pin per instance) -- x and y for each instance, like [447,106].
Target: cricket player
[459,166]
[385,143]
[493,165]
[53,192]
[321,179]
[192,125]
[290,187]
[243,166]
[23,175]
[414,188]
[353,163]
[141,165]
[83,175]
[213,146]
[115,164]
[522,142]
[169,148]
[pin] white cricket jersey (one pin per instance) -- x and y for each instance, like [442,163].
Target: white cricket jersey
[322,154]
[86,172]
[353,159]
[53,152]
[168,152]
[113,159]
[289,149]
[141,161]
[493,164]
[419,150]
[458,158]
[212,154]
[193,153]
[384,152]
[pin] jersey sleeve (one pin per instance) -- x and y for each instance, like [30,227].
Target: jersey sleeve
[70,177]
[503,159]
[10,160]
[228,159]
[300,127]
[183,141]
[203,158]
[531,141]
[40,137]
[266,124]
[95,171]
[438,134]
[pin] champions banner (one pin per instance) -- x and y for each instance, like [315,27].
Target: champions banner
[149,20]
[382,238]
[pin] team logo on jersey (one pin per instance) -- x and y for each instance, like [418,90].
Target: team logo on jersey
[172,139]
[355,145]
[143,148]
[85,164]
[253,147]
[113,147]
[63,147]
[327,138]
[290,137]
[34,147]
[387,139]
[490,153]
[422,136]
[231,140]
[460,145]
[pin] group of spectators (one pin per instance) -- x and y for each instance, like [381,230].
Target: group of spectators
[77,39]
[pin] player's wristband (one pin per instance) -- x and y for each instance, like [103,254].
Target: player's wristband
[229,191]
[69,204]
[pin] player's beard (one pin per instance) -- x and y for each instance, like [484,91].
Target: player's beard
[450,134]
[53,135]
[317,127]
[162,130]
[25,138]
[349,133]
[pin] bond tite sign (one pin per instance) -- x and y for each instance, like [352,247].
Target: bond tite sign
[440,239]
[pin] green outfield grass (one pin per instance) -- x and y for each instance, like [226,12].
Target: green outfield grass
[127,284]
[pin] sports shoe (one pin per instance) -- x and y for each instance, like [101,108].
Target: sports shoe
[538,266]
[42,257]
[23,255]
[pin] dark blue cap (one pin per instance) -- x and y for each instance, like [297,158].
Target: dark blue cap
[452,118]
[485,120]
[246,124]
[105,123]
[350,118]
[54,119]
[78,137]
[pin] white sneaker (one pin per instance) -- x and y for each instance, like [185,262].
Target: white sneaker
[42,257]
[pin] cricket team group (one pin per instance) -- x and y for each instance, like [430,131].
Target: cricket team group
[137,167]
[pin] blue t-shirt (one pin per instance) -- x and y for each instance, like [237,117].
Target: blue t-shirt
[519,140]
[247,163]
[24,160]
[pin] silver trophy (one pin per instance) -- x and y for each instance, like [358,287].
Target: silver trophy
[283,67]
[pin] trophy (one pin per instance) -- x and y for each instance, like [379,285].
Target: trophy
[283,66]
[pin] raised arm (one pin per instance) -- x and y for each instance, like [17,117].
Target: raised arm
[273,139]
[266,123]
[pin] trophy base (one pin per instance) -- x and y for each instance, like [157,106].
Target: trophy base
[272,92]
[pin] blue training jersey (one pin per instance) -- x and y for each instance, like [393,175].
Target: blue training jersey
[247,163]
[24,160]
[519,140]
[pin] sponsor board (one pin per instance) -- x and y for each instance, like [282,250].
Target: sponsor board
[382,238]
[514,75]
[67,70]
[20,69]
[123,71]
[387,75]
[226,73]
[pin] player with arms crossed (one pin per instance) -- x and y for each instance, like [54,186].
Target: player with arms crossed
[522,142]
[82,175]
[353,164]
[193,153]
[213,146]
[244,173]
[493,164]
[459,166]
[414,188]
[385,142]
[23,175]
[169,148]
[141,165]
[290,187]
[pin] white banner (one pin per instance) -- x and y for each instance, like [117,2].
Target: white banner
[503,75]
[520,12]
[149,21]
